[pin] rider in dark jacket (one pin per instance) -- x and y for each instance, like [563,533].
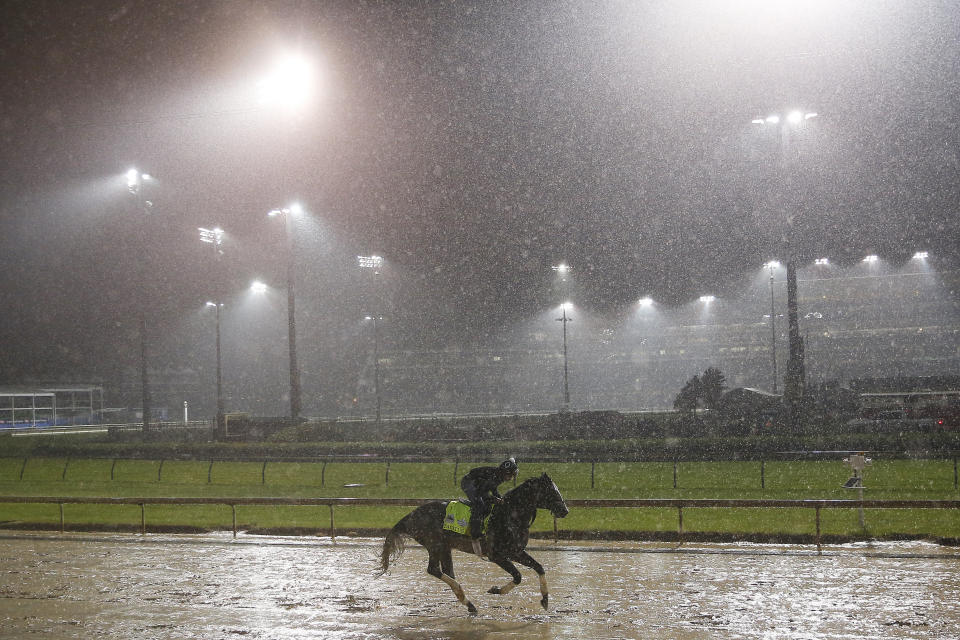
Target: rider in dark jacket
[480,485]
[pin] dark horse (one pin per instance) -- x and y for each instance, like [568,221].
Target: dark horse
[504,542]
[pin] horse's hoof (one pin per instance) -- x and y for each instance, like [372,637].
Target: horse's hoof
[494,590]
[472,609]
[544,603]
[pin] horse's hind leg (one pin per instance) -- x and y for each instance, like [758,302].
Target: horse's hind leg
[527,560]
[433,568]
[507,566]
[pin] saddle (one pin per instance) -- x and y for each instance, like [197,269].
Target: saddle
[457,517]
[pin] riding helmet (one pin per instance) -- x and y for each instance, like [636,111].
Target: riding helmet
[508,467]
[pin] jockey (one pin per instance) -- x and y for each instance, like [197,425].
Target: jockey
[480,484]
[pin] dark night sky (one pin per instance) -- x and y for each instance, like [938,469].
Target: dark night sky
[472,144]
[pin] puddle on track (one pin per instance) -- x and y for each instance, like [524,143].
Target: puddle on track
[212,586]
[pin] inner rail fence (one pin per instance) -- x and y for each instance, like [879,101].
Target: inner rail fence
[659,503]
[263,462]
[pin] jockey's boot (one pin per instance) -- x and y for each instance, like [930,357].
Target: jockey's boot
[476,547]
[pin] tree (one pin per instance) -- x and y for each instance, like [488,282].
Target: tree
[712,386]
[689,396]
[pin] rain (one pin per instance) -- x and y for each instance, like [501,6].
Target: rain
[473,147]
[382,220]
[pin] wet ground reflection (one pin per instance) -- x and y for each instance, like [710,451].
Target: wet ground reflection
[212,586]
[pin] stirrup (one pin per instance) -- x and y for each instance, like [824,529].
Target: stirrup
[476,547]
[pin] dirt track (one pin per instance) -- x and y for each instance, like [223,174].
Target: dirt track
[211,586]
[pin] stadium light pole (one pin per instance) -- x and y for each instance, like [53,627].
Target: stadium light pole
[376,360]
[374,264]
[566,385]
[135,185]
[218,306]
[795,379]
[214,237]
[288,214]
[773,264]
[290,85]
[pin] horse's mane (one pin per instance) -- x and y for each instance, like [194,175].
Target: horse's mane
[525,485]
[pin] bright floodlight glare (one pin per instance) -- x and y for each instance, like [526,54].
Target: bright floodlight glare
[773,264]
[807,116]
[133,178]
[871,259]
[212,236]
[921,255]
[821,262]
[646,301]
[370,262]
[295,209]
[707,299]
[561,268]
[290,83]
[757,121]
[258,287]
[567,306]
[211,304]
[795,117]
[772,119]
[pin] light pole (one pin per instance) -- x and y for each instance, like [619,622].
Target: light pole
[135,184]
[794,382]
[376,360]
[288,214]
[773,264]
[218,306]
[214,237]
[566,386]
[290,85]
[374,263]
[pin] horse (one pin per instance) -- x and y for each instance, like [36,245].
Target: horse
[504,541]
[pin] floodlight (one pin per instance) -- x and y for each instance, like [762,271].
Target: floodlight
[370,262]
[212,236]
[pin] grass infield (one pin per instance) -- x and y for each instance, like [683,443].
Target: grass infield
[884,480]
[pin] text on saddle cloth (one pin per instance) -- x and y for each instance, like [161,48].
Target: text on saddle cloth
[457,518]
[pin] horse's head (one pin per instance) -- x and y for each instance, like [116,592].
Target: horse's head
[549,497]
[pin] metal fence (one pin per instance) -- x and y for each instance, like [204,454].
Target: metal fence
[679,504]
[761,465]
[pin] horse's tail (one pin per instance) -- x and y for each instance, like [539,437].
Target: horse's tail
[393,544]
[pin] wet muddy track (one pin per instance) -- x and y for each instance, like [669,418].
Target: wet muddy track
[210,586]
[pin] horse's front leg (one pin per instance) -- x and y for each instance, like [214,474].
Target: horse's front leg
[507,566]
[527,560]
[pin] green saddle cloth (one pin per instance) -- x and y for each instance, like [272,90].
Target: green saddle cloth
[457,518]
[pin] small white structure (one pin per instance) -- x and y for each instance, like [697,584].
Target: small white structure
[858,462]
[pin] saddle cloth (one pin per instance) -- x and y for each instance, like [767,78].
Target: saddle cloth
[457,518]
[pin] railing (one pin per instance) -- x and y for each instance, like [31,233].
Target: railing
[387,460]
[678,504]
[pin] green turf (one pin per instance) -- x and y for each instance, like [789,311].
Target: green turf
[885,480]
